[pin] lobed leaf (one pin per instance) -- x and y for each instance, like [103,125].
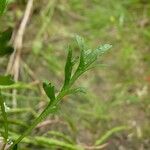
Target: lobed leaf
[76,90]
[80,42]
[50,91]
[87,58]
[102,49]
[92,56]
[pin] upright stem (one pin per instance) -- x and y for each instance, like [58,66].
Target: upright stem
[37,120]
[49,109]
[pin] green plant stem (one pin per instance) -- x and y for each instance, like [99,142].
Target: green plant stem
[48,110]
[4,115]
[65,90]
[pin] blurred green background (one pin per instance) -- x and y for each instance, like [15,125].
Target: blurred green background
[117,94]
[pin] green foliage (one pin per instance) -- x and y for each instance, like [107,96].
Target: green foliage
[5,48]
[6,80]
[5,36]
[3,4]
[86,60]
[50,91]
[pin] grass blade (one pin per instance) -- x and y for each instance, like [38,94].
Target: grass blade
[109,133]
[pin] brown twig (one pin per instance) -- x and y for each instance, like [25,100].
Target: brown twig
[48,123]
[15,59]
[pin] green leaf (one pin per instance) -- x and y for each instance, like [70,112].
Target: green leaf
[102,49]
[6,36]
[68,67]
[6,50]
[76,90]
[92,56]
[3,4]
[82,60]
[87,58]
[6,80]
[80,42]
[50,91]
